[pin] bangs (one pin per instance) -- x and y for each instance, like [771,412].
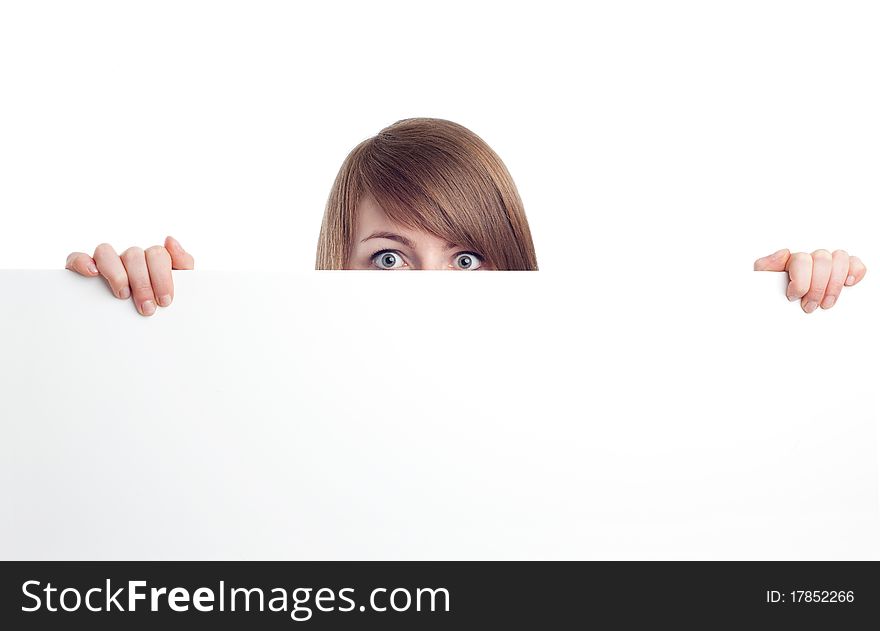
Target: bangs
[418,201]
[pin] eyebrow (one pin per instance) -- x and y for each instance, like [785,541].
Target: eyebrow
[393,236]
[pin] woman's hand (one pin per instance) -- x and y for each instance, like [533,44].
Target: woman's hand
[816,279]
[142,275]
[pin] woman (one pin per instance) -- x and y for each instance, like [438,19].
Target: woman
[423,194]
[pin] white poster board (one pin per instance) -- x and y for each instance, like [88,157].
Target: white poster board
[345,415]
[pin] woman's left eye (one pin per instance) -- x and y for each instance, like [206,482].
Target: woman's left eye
[467,260]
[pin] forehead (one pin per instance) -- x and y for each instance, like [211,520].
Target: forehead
[371,220]
[370,216]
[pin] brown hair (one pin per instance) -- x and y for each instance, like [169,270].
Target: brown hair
[432,175]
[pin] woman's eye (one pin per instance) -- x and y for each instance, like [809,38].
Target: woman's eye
[467,260]
[388,260]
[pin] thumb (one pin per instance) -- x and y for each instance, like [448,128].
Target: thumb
[775,262]
[180,258]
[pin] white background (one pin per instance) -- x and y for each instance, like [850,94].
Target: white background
[696,135]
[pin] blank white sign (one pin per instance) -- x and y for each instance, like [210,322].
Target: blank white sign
[346,415]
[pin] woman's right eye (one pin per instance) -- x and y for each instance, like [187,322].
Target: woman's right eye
[388,259]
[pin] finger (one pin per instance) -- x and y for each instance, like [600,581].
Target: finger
[839,268]
[112,269]
[818,280]
[775,262]
[180,258]
[139,280]
[81,263]
[857,270]
[800,270]
[159,267]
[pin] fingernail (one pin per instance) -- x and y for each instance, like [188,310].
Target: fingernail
[165,300]
[125,293]
[792,298]
[148,308]
[91,267]
[811,306]
[829,302]
[850,280]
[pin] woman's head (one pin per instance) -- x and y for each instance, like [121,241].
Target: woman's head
[424,193]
